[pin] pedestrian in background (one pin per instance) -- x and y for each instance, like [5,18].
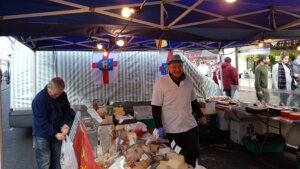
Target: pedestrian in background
[229,76]
[1,75]
[296,71]
[282,74]
[261,79]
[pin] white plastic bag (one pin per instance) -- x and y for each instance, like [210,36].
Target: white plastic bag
[236,95]
[67,155]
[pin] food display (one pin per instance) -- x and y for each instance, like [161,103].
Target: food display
[219,98]
[134,148]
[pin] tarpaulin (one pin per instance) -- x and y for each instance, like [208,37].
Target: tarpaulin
[83,150]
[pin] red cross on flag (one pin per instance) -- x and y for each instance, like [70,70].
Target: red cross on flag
[164,58]
[105,68]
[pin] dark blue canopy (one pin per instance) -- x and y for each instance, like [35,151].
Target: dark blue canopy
[185,24]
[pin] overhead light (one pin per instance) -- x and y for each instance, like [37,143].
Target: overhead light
[261,44]
[99,46]
[230,1]
[120,42]
[105,53]
[127,12]
[298,48]
[221,53]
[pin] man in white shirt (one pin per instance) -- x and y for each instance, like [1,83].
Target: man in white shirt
[173,102]
[203,68]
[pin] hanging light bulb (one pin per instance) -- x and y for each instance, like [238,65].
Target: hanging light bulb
[99,46]
[298,48]
[105,53]
[127,12]
[261,44]
[230,1]
[120,42]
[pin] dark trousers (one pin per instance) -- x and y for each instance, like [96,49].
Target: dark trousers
[189,142]
[283,98]
[228,93]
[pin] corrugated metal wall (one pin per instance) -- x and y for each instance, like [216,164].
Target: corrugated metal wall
[138,71]
[21,87]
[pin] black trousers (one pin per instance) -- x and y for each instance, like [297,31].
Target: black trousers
[189,142]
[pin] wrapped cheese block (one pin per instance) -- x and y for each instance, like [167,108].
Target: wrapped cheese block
[153,148]
[177,157]
[163,166]
[132,138]
[119,111]
[174,164]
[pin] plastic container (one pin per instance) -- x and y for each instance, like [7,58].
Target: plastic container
[295,116]
[285,113]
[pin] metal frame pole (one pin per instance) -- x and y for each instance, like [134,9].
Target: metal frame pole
[1,141]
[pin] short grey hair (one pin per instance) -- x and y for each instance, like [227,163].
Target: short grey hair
[57,83]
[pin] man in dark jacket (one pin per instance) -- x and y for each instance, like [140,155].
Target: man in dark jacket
[51,118]
[229,76]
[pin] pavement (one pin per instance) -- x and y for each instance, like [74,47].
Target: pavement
[4,86]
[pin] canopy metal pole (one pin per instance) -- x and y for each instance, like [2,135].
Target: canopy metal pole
[185,13]
[1,142]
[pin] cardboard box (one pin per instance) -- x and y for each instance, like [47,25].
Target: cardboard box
[240,129]
[223,122]
[245,104]
[143,112]
[208,108]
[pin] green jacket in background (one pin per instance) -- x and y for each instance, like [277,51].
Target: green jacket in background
[261,77]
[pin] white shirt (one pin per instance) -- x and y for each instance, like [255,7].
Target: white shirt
[204,69]
[176,105]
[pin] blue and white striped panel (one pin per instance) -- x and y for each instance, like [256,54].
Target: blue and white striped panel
[75,125]
[204,86]
[138,71]
[21,89]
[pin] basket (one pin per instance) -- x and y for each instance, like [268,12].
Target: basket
[273,143]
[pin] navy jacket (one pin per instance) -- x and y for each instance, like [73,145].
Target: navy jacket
[49,115]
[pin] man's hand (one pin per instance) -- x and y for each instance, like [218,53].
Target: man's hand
[260,93]
[60,136]
[203,120]
[65,129]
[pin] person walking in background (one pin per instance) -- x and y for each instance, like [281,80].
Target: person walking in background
[216,75]
[261,79]
[1,75]
[296,71]
[229,76]
[203,68]
[282,74]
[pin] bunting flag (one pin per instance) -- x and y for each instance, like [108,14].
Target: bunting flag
[105,68]
[164,58]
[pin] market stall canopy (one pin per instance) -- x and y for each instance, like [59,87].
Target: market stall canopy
[200,24]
